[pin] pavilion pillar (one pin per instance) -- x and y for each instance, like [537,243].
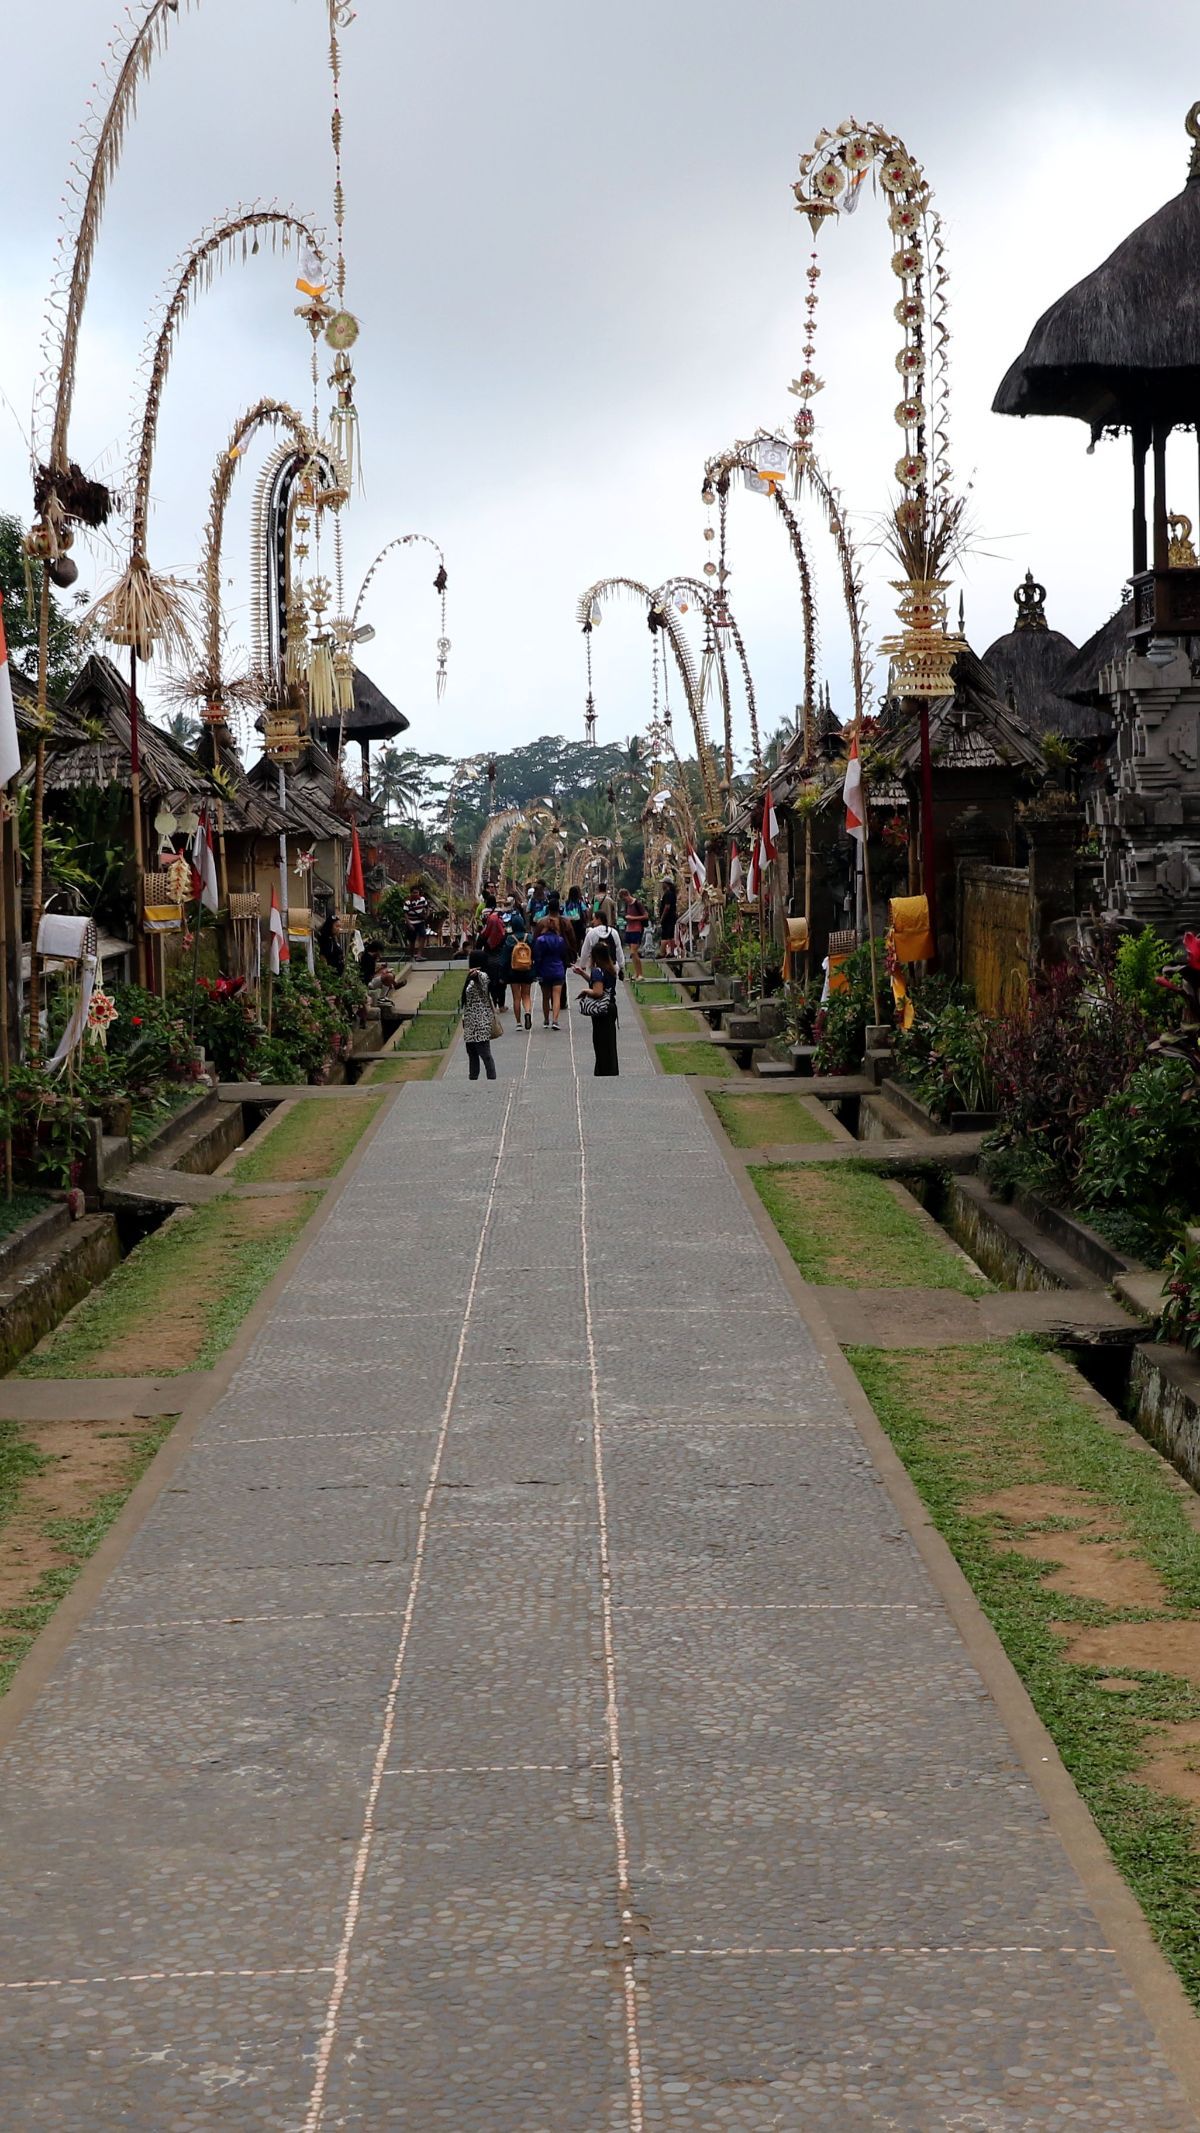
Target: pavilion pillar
[365,748]
[1161,536]
[1141,445]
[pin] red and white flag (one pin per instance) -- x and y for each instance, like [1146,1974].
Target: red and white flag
[770,829]
[852,794]
[696,870]
[754,878]
[204,865]
[280,952]
[356,887]
[737,876]
[10,750]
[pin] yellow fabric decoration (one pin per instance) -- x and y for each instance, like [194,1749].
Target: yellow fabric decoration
[906,1013]
[797,944]
[909,916]
[162,918]
[838,981]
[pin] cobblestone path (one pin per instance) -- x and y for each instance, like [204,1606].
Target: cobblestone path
[525,1712]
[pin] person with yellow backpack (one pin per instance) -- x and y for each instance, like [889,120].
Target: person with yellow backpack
[519,971]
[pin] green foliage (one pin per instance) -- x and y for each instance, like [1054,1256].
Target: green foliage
[48,1121]
[276,1063]
[21,616]
[1057,1060]
[1140,959]
[943,1058]
[1004,1413]
[1141,1154]
[1179,1319]
[840,1027]
[222,1014]
[149,1040]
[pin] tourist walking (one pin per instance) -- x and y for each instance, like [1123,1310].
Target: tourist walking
[478,1018]
[599,1005]
[493,939]
[636,920]
[551,957]
[602,932]
[668,918]
[416,920]
[519,971]
[573,908]
[606,910]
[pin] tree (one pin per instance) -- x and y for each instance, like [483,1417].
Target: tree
[67,645]
[401,780]
[182,728]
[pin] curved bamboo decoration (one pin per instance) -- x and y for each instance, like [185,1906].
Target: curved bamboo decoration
[700,589]
[666,621]
[404,540]
[142,610]
[60,344]
[210,683]
[467,768]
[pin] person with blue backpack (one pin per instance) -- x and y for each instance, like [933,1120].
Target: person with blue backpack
[551,960]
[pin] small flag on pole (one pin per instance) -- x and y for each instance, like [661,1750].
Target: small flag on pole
[737,876]
[852,794]
[770,829]
[696,870]
[356,887]
[204,865]
[10,751]
[280,952]
[754,879]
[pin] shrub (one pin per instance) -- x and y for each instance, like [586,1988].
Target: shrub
[1058,1060]
[945,1055]
[840,1027]
[1140,1156]
[1141,958]
[1180,1316]
[49,1124]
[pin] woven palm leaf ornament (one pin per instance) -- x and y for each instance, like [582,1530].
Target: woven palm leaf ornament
[926,529]
[346,627]
[763,463]
[685,592]
[661,615]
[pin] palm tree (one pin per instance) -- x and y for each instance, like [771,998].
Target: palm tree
[182,728]
[399,780]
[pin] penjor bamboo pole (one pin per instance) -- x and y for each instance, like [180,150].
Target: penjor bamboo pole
[135,786]
[866,858]
[39,805]
[4,1044]
[808,895]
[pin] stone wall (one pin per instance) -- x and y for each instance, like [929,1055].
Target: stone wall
[994,934]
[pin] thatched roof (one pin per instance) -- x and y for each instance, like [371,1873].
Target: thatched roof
[374,717]
[66,731]
[1124,343]
[1080,678]
[975,729]
[100,696]
[319,803]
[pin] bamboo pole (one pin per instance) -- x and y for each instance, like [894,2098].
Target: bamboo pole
[39,806]
[139,852]
[866,857]
[4,1045]
[808,854]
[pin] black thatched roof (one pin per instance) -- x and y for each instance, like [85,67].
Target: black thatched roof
[1080,678]
[100,696]
[972,730]
[374,717]
[1124,343]
[66,731]
[1026,665]
[319,803]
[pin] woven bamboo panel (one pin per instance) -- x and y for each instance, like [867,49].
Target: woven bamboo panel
[246,905]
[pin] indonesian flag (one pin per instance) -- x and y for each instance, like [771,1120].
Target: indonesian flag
[356,887]
[754,879]
[696,870]
[10,752]
[852,794]
[736,876]
[770,829]
[204,866]
[280,952]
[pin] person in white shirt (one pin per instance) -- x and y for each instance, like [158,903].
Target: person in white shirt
[596,933]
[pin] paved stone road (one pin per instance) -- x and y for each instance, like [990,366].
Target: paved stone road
[526,1714]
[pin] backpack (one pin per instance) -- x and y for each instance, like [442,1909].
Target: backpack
[493,930]
[522,956]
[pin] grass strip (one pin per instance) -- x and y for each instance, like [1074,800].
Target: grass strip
[22,1208]
[655,993]
[446,995]
[177,1301]
[312,1141]
[428,1034]
[393,1069]
[697,1059]
[761,1121]
[846,1229]
[73,1539]
[973,1421]
[665,1022]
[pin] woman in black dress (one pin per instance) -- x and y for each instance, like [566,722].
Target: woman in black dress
[668,917]
[602,986]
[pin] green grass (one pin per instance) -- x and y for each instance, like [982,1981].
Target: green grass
[664,1022]
[754,1121]
[207,1266]
[392,1069]
[697,1059]
[845,1229]
[446,995]
[655,994]
[76,1538]
[22,1208]
[430,1033]
[313,1133]
[992,1417]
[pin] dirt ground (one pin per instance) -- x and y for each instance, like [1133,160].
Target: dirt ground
[172,1330]
[1094,1559]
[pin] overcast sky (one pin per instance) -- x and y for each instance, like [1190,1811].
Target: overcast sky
[573,249]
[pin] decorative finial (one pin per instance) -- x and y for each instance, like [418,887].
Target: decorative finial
[1181,555]
[962,614]
[1192,127]
[1031,604]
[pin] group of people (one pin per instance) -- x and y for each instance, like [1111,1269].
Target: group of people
[539,942]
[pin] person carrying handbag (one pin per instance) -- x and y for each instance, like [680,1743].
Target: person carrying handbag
[599,1006]
[479,1019]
